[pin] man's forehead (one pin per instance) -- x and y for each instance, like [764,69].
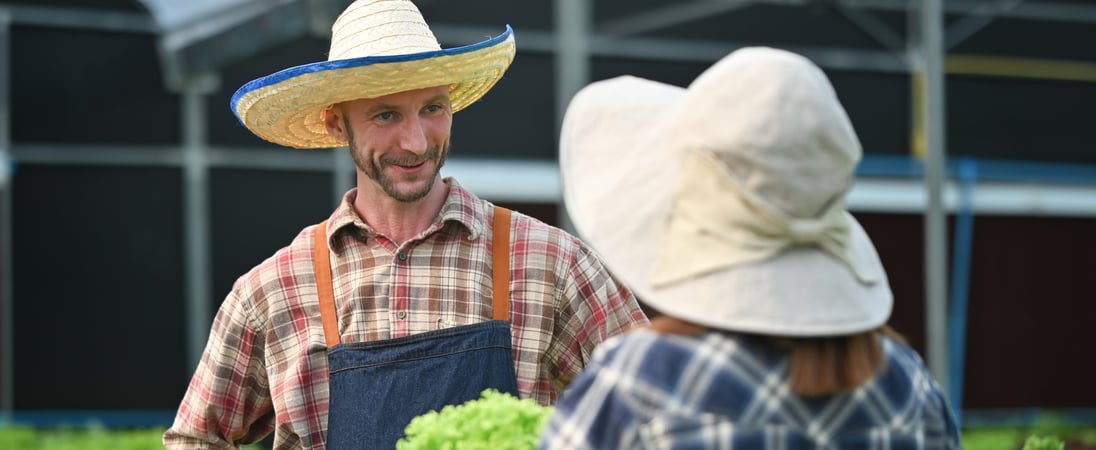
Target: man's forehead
[423,96]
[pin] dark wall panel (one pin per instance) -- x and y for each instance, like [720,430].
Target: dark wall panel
[545,212]
[821,24]
[257,212]
[89,87]
[1031,313]
[224,128]
[1021,119]
[1043,39]
[675,73]
[878,104]
[516,119]
[98,288]
[491,14]
[1030,305]
[899,239]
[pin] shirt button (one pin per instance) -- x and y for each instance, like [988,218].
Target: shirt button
[401,315]
[402,256]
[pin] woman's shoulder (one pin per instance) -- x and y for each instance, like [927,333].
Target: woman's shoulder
[643,341]
[902,356]
[662,357]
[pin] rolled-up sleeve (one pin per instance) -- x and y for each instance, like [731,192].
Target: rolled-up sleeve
[228,401]
[592,307]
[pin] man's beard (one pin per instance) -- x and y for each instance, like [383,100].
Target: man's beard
[375,171]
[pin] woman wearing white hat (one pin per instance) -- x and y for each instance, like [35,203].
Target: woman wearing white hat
[414,293]
[723,207]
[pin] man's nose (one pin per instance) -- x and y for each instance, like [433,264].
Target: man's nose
[413,136]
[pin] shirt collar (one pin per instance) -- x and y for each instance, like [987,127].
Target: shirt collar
[460,207]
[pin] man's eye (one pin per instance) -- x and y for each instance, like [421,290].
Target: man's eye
[386,116]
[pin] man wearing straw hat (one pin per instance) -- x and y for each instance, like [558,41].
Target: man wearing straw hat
[413,294]
[774,302]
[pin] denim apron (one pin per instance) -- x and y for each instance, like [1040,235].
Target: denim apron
[377,387]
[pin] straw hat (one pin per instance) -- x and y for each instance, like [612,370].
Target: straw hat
[378,47]
[724,203]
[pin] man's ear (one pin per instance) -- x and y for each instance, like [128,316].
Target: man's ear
[333,122]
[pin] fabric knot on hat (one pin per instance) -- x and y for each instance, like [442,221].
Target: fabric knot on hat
[808,231]
[718,224]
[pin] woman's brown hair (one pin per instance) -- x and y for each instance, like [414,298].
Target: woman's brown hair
[830,365]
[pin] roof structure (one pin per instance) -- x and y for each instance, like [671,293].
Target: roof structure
[993,37]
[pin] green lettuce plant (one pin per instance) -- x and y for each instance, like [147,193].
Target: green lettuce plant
[495,421]
[90,437]
[1043,443]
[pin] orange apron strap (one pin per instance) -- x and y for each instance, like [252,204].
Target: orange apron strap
[321,262]
[500,260]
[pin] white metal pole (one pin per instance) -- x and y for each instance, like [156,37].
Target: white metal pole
[573,27]
[933,121]
[196,215]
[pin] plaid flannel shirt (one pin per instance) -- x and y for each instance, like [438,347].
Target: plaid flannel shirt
[265,365]
[723,391]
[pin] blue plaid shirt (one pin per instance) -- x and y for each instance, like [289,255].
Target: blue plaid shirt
[645,390]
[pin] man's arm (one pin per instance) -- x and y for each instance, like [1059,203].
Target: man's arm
[590,308]
[228,401]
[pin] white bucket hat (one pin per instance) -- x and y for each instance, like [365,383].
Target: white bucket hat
[724,203]
[378,47]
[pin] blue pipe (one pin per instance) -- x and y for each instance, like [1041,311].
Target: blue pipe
[988,169]
[967,169]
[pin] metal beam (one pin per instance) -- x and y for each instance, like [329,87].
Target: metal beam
[98,155]
[572,43]
[707,51]
[574,22]
[214,23]
[205,47]
[1044,69]
[270,158]
[499,180]
[681,50]
[7,277]
[903,195]
[882,185]
[973,22]
[935,219]
[711,51]
[1043,10]
[262,158]
[196,217]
